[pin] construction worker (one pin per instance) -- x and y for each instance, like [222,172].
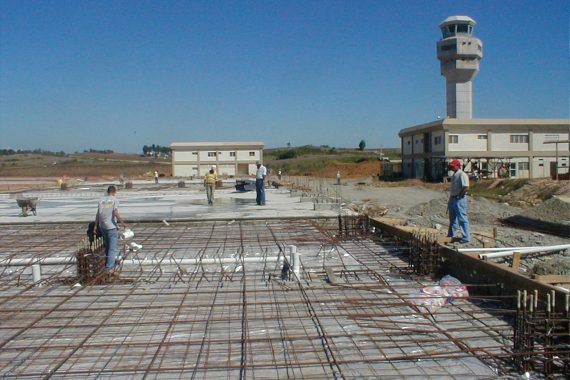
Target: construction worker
[210,183]
[260,175]
[107,219]
[457,204]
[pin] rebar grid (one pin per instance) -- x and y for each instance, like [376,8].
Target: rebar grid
[238,319]
[424,258]
[542,327]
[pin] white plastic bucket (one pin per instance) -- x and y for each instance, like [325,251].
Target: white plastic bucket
[127,234]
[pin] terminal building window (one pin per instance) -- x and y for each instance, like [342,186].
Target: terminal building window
[519,139]
[453,139]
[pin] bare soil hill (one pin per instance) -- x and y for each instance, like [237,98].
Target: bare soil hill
[81,165]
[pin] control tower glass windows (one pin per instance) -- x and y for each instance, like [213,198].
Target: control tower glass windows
[462,28]
[448,31]
[452,30]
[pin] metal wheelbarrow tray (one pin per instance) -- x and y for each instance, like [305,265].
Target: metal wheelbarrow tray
[27,204]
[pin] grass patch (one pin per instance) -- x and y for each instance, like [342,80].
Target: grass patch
[484,189]
[356,159]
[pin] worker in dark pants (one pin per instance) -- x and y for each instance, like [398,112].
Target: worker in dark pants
[260,176]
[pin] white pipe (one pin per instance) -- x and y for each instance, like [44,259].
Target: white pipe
[224,260]
[297,262]
[36,260]
[36,273]
[524,252]
[144,262]
[294,260]
[497,249]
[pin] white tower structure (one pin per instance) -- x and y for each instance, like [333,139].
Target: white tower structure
[459,53]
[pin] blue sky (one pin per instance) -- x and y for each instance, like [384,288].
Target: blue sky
[117,75]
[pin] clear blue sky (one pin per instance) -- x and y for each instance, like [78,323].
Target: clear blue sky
[117,75]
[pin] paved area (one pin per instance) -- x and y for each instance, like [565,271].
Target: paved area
[151,202]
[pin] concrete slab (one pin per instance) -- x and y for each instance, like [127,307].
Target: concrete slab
[154,203]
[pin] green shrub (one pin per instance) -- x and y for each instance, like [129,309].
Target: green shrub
[287,154]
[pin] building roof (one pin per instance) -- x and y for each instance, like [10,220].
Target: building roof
[449,123]
[216,144]
[457,19]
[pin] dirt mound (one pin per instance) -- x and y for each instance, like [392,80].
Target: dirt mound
[555,265]
[535,191]
[552,216]
[347,170]
[482,211]
[555,210]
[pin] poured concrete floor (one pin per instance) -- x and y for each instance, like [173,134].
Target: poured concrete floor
[147,202]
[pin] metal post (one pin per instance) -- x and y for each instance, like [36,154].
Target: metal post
[36,273]
[294,260]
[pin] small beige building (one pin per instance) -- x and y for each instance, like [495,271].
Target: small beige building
[515,148]
[230,158]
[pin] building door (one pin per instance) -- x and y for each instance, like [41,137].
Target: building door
[512,170]
[428,170]
[242,169]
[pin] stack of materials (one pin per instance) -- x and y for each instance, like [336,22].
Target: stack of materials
[91,262]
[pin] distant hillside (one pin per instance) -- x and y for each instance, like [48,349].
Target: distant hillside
[324,161]
[305,160]
[81,165]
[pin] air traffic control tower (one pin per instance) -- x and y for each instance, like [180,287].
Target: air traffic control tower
[459,53]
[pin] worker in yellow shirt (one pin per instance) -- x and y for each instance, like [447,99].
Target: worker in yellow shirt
[210,182]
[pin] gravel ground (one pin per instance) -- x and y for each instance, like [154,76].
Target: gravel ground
[419,206]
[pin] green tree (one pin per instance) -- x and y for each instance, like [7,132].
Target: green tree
[362,145]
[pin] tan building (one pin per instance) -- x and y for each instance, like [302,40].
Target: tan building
[230,158]
[517,148]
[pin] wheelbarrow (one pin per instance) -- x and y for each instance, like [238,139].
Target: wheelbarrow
[27,205]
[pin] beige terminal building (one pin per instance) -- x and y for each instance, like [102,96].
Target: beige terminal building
[515,148]
[230,158]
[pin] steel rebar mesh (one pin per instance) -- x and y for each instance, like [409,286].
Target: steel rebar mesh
[237,318]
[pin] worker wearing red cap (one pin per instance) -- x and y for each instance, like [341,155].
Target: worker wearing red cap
[457,205]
